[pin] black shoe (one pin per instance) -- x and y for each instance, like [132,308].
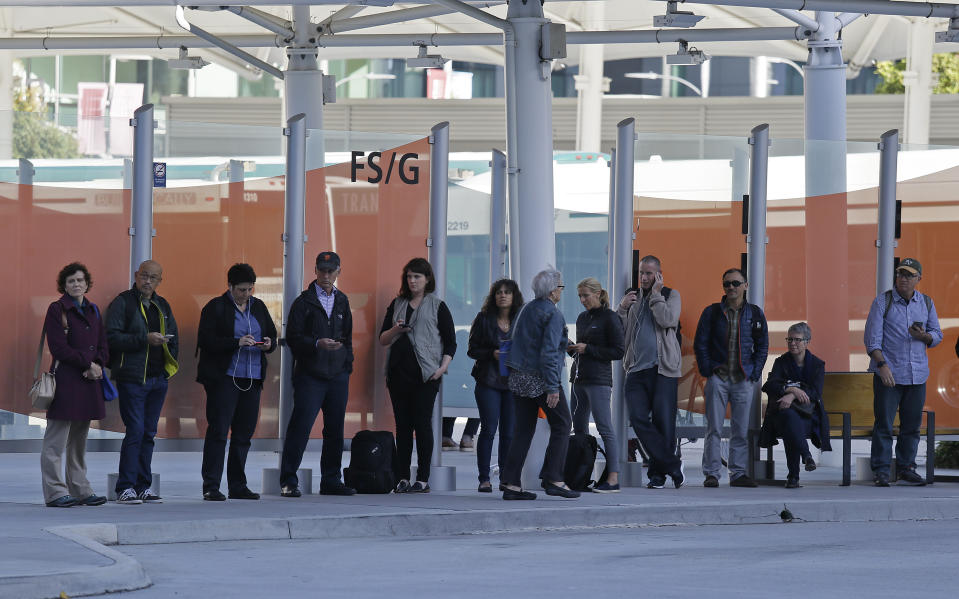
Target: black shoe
[810,463]
[511,495]
[656,483]
[679,476]
[213,495]
[711,482]
[792,483]
[290,491]
[65,501]
[419,487]
[485,487]
[881,479]
[93,499]
[337,488]
[244,493]
[743,481]
[910,478]
[559,491]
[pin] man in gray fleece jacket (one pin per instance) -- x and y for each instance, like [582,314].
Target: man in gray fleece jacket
[653,363]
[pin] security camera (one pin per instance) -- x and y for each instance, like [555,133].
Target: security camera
[186,62]
[685,56]
[676,18]
[426,61]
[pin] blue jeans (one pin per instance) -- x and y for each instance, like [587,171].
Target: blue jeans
[740,397]
[140,406]
[908,400]
[651,402]
[595,399]
[310,395]
[496,409]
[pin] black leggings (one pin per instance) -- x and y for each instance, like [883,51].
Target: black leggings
[413,412]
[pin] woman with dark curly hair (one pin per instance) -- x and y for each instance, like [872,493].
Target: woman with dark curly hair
[418,329]
[491,328]
[78,343]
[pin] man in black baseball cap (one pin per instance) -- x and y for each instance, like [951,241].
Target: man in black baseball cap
[319,332]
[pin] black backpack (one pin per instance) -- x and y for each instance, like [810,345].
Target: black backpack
[371,462]
[580,461]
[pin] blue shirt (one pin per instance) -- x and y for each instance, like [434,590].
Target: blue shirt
[246,360]
[905,356]
[326,299]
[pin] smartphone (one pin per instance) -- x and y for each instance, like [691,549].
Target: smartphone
[259,343]
[917,325]
[168,337]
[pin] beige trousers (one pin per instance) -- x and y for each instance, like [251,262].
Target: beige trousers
[69,435]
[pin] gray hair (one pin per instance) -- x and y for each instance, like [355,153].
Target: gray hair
[545,281]
[802,328]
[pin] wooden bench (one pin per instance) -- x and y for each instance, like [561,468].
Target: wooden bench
[848,400]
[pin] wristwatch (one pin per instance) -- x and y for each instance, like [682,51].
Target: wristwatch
[880,363]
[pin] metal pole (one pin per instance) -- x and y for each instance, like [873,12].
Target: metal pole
[621,248]
[236,171]
[611,218]
[293,243]
[497,218]
[25,172]
[441,478]
[740,168]
[303,81]
[141,230]
[512,170]
[756,240]
[886,243]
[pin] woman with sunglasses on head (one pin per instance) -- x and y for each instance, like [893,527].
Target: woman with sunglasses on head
[795,409]
[418,330]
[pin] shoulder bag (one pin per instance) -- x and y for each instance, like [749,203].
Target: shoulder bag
[44,385]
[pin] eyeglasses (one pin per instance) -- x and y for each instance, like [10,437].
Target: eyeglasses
[796,340]
[728,284]
[903,274]
[561,286]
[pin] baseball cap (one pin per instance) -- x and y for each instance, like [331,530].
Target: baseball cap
[910,265]
[328,261]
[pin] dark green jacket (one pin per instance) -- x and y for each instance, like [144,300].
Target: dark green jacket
[127,336]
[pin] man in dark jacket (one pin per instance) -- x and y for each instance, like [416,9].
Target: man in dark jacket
[142,336]
[319,332]
[732,342]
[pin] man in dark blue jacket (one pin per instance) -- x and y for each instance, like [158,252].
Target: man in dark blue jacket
[319,332]
[732,342]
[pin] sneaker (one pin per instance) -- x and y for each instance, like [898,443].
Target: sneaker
[679,476]
[402,487]
[337,488]
[129,497]
[213,495]
[605,487]
[244,493]
[466,443]
[809,463]
[93,499]
[711,481]
[792,483]
[910,478]
[744,482]
[148,496]
[448,443]
[881,479]
[290,491]
[64,501]
[419,487]
[656,483]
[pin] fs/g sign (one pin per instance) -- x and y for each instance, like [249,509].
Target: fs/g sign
[376,163]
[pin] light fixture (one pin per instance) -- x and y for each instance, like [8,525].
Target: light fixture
[186,62]
[676,18]
[426,61]
[687,56]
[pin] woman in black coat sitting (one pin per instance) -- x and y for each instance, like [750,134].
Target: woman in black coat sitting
[795,408]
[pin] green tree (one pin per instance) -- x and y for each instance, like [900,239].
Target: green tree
[33,135]
[945,65]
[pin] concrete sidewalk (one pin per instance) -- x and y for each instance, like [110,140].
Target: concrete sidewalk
[44,551]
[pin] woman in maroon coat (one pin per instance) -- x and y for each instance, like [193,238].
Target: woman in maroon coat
[78,343]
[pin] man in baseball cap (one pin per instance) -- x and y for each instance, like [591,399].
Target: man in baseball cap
[902,324]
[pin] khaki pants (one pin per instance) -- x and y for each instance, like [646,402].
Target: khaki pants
[69,435]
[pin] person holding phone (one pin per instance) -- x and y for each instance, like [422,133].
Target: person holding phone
[418,330]
[234,335]
[319,331]
[902,324]
[141,333]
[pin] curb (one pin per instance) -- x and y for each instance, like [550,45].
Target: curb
[124,574]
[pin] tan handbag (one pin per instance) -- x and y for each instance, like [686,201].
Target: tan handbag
[44,385]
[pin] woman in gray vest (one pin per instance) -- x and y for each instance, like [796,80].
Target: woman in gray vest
[418,329]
